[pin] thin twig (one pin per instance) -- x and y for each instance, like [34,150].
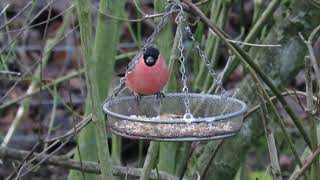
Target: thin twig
[11,41]
[77,128]
[297,99]
[248,44]
[201,2]
[279,121]
[309,94]
[311,53]
[19,167]
[214,85]
[72,131]
[40,23]
[275,167]
[29,71]
[272,98]
[138,8]
[53,83]
[33,18]
[38,61]
[4,9]
[44,158]
[76,136]
[10,73]
[14,17]
[24,106]
[308,162]
[311,111]
[313,57]
[145,17]
[53,114]
[43,64]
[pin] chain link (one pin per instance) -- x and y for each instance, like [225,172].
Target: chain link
[207,62]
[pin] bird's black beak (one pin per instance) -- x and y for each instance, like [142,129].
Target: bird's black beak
[150,61]
[150,56]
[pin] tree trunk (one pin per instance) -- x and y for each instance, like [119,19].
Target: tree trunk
[100,61]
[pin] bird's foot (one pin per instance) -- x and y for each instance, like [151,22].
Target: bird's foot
[160,95]
[138,97]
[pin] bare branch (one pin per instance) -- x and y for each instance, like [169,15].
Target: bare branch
[91,167]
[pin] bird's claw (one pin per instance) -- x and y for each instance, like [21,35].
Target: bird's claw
[160,95]
[138,98]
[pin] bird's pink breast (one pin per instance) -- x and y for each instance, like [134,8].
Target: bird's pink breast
[148,80]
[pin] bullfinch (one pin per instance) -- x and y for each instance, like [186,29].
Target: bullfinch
[149,75]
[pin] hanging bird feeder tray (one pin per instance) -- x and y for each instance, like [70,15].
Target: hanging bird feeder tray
[164,119]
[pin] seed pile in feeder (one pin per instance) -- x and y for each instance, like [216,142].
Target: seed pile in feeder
[201,129]
[161,117]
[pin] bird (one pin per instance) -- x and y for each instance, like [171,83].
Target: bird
[149,75]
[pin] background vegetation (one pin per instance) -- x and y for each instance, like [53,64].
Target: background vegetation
[59,60]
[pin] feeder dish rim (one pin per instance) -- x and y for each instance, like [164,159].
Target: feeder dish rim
[176,120]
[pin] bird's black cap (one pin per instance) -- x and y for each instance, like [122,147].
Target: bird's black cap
[151,51]
[151,55]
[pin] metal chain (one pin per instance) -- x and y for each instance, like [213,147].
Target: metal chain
[171,9]
[188,117]
[207,62]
